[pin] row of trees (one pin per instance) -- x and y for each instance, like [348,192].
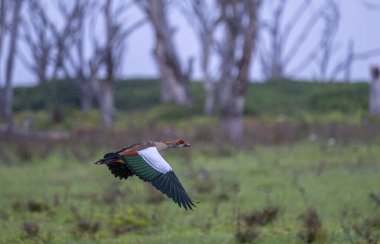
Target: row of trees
[229,30]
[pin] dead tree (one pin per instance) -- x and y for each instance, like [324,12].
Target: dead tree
[83,74]
[116,33]
[106,52]
[174,78]
[55,48]
[204,20]
[7,93]
[374,94]
[103,53]
[63,37]
[239,20]
[3,26]
[287,37]
[106,95]
[36,35]
[276,31]
[70,49]
[331,18]
[277,59]
[59,49]
[345,65]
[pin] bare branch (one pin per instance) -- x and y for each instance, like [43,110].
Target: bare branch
[300,40]
[24,60]
[132,28]
[331,17]
[5,13]
[346,64]
[37,37]
[278,30]
[367,54]
[294,20]
[203,18]
[123,8]
[371,5]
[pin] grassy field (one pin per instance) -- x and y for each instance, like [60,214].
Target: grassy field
[322,191]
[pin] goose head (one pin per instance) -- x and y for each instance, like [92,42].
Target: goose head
[177,144]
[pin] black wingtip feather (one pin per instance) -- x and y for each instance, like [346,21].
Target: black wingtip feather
[169,185]
[119,170]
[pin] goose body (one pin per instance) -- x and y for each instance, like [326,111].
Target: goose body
[145,161]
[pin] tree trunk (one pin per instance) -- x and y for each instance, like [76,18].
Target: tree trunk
[374,95]
[7,94]
[210,100]
[174,80]
[202,17]
[87,95]
[172,91]
[209,86]
[2,27]
[107,107]
[231,125]
[236,56]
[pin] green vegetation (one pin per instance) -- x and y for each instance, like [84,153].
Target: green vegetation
[274,97]
[283,194]
[55,105]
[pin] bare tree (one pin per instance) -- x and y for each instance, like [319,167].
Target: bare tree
[113,50]
[71,55]
[331,18]
[345,65]
[68,47]
[276,60]
[58,49]
[239,19]
[65,37]
[7,93]
[276,31]
[204,20]
[3,14]
[107,105]
[36,34]
[106,52]
[84,69]
[174,78]
[374,95]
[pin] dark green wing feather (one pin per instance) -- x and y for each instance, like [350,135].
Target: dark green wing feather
[141,168]
[167,183]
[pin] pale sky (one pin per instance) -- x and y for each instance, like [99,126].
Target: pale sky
[357,23]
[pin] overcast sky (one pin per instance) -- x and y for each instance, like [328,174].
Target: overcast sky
[357,23]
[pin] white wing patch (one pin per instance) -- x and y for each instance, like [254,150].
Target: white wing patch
[154,159]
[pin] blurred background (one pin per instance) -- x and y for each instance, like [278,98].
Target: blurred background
[280,100]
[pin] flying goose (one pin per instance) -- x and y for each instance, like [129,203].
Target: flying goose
[145,161]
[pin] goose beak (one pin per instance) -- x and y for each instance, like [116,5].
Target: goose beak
[186,145]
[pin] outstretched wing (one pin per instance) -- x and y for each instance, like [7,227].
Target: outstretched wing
[150,166]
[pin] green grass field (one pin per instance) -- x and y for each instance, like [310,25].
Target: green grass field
[62,200]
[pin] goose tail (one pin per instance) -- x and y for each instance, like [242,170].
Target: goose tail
[108,158]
